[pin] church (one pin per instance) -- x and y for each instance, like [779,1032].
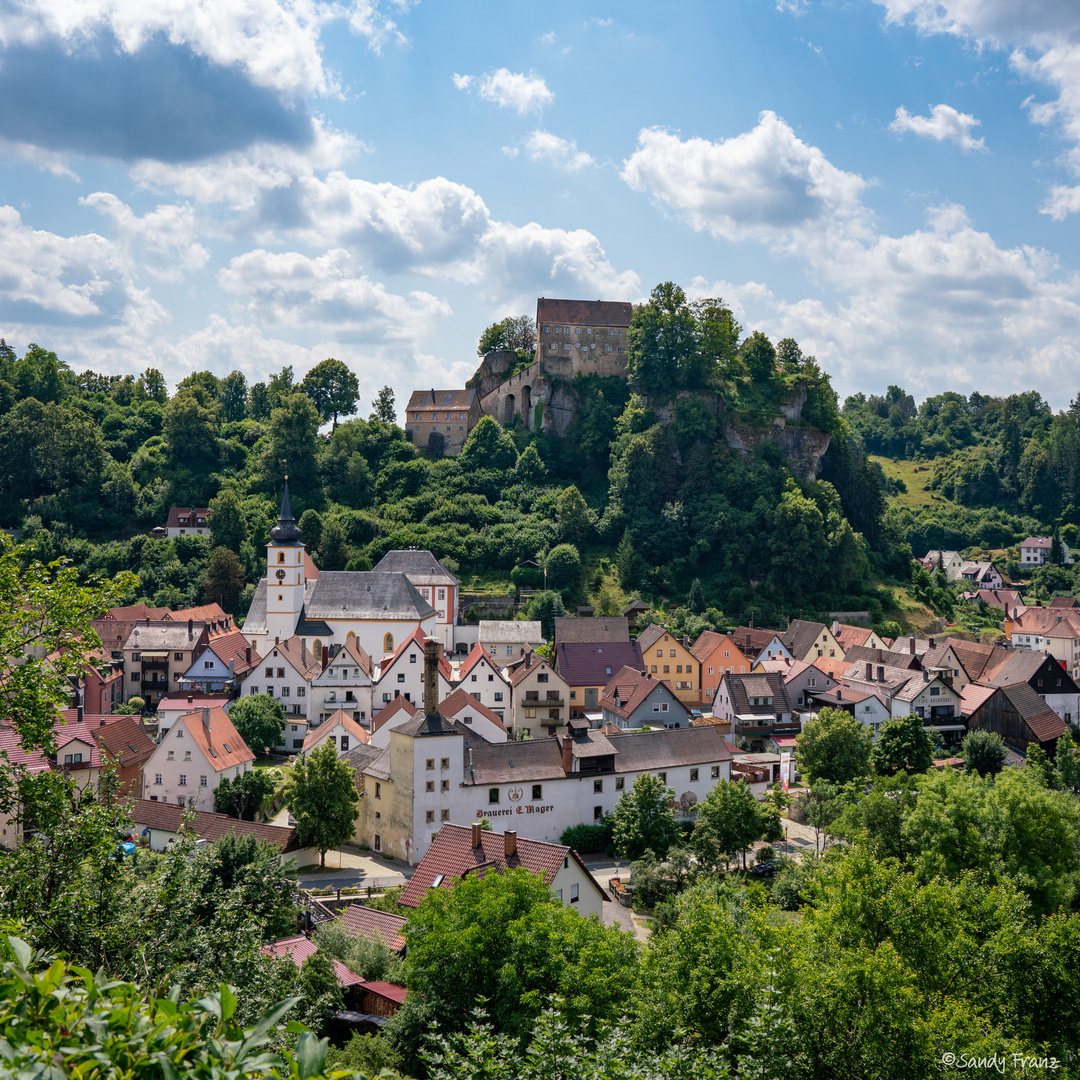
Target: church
[323,608]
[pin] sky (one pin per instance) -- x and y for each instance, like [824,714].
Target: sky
[249,184]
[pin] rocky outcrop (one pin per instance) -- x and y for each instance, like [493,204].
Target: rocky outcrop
[803,447]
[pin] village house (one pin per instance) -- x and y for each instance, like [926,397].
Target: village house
[756,706]
[486,680]
[756,644]
[670,658]
[849,636]
[1036,551]
[156,656]
[201,749]
[1002,599]
[435,770]
[295,599]
[433,581]
[221,666]
[300,948]
[799,679]
[186,521]
[808,640]
[100,686]
[345,682]
[172,707]
[1016,713]
[473,715]
[439,421]
[122,742]
[363,923]
[590,335]
[587,667]
[634,700]
[402,674]
[389,717]
[869,707]
[504,641]
[716,655]
[1047,629]
[1042,673]
[539,697]
[285,673]
[340,730]
[459,850]
[982,575]
[589,628]
[948,562]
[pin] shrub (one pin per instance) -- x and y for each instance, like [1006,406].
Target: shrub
[595,839]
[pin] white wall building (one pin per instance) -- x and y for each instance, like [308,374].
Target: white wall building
[345,682]
[485,680]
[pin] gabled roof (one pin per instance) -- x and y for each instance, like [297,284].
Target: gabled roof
[442,399]
[507,632]
[359,758]
[592,629]
[420,567]
[295,651]
[528,663]
[360,921]
[424,725]
[1068,602]
[208,613]
[235,647]
[400,704]
[477,654]
[529,761]
[832,666]
[767,684]
[587,664]
[218,740]
[584,312]
[134,613]
[416,640]
[1043,721]
[79,731]
[163,636]
[915,685]
[977,659]
[999,598]
[630,689]
[847,635]
[973,697]
[801,635]
[11,747]
[364,594]
[786,668]
[842,695]
[187,517]
[166,817]
[187,702]
[1014,666]
[124,740]
[461,702]
[298,949]
[1037,542]
[452,856]
[316,735]
[752,640]
[708,642]
[669,748]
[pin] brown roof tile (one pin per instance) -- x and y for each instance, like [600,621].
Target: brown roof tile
[359,921]
[584,312]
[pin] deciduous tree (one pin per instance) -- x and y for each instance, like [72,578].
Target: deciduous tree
[728,822]
[902,744]
[984,752]
[321,794]
[644,819]
[834,746]
[260,720]
[333,388]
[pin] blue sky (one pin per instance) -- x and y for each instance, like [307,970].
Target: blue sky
[214,184]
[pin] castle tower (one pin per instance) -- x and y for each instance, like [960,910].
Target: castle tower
[284,574]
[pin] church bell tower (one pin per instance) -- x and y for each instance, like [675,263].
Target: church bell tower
[284,574]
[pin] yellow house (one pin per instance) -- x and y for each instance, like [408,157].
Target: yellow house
[668,657]
[806,641]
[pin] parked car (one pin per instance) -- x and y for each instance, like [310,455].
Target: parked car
[764,869]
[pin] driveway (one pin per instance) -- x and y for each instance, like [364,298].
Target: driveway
[347,866]
[614,914]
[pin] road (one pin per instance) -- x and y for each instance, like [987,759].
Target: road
[348,868]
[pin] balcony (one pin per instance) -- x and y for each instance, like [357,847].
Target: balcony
[155,665]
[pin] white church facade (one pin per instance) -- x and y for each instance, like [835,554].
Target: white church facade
[377,609]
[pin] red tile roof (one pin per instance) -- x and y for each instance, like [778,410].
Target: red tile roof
[192,701]
[389,991]
[583,312]
[360,921]
[165,817]
[317,734]
[399,704]
[460,701]
[298,949]
[632,689]
[709,642]
[973,697]
[232,645]
[219,741]
[186,512]
[452,856]
[476,654]
[124,740]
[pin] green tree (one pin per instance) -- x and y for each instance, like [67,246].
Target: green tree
[333,388]
[293,431]
[644,819]
[260,721]
[902,744]
[728,822]
[384,406]
[151,384]
[311,526]
[488,447]
[320,987]
[243,796]
[515,333]
[39,375]
[1068,762]
[759,356]
[822,806]
[662,343]
[321,794]
[224,578]
[530,469]
[190,423]
[233,397]
[227,527]
[574,516]
[834,746]
[545,607]
[984,752]
[333,546]
[627,562]
[797,539]
[695,599]
[563,564]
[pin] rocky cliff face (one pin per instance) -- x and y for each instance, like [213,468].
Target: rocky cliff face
[803,447]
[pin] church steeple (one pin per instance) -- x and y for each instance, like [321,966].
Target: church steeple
[286,531]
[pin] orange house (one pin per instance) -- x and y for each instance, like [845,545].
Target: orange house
[717,655]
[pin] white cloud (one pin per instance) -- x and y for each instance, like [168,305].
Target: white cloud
[943,123]
[509,90]
[49,160]
[1061,202]
[329,291]
[164,238]
[765,184]
[943,302]
[274,41]
[553,150]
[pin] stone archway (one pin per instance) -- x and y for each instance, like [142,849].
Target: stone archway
[526,406]
[508,413]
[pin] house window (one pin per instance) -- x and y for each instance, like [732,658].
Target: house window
[269,673]
[429,786]
[537,792]
[429,816]
[344,743]
[378,790]
[597,813]
[377,845]
[202,781]
[178,656]
[281,673]
[187,755]
[693,776]
[598,787]
[498,695]
[169,755]
[444,785]
[573,894]
[663,777]
[493,795]
[542,677]
[620,783]
[401,677]
[388,643]
[157,778]
[412,660]
[183,779]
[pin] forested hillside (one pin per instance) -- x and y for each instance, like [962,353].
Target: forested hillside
[677,485]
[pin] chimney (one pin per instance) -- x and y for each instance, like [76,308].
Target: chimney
[79,713]
[911,645]
[101,722]
[232,667]
[190,629]
[433,395]
[325,656]
[431,677]
[477,835]
[931,643]
[881,674]
[510,843]
[869,671]
[205,716]
[835,627]
[567,754]
[839,694]
[191,699]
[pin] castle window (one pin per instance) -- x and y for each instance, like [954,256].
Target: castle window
[388,643]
